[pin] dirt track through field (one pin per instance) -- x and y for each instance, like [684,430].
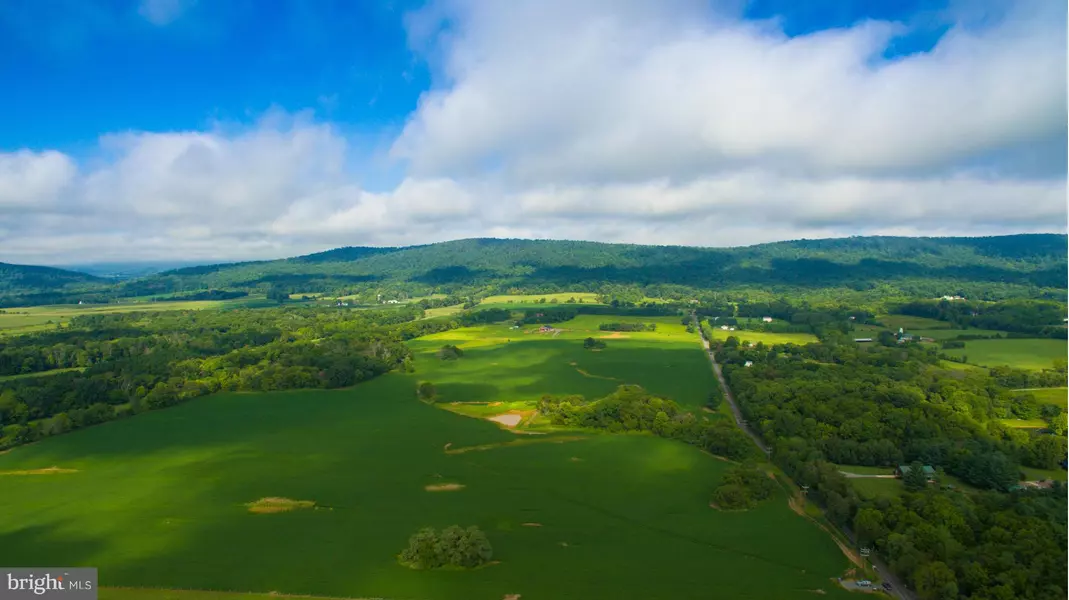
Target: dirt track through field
[45,471]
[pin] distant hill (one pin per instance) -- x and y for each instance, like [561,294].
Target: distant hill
[35,285]
[1037,260]
[1004,265]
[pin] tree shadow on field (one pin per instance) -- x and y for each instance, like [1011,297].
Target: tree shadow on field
[467,392]
[44,545]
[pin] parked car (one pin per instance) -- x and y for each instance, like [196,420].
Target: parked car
[886,586]
[864,583]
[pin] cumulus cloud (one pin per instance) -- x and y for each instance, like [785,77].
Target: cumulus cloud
[612,120]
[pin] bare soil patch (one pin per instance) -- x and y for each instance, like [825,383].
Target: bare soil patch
[587,374]
[444,487]
[277,505]
[616,335]
[532,524]
[508,419]
[45,471]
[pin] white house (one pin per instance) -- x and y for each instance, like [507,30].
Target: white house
[724,327]
[766,319]
[749,363]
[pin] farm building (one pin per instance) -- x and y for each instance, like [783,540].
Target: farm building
[902,470]
[748,363]
[860,340]
[545,328]
[724,327]
[766,319]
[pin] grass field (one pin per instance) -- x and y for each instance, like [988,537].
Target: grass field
[1041,474]
[561,298]
[894,322]
[161,497]
[761,336]
[444,311]
[1024,423]
[505,365]
[41,318]
[1055,396]
[949,334]
[1020,353]
[39,374]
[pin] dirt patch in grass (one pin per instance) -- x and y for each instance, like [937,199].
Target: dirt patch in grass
[45,471]
[714,506]
[444,487]
[532,524]
[511,597]
[271,505]
[509,420]
[447,445]
[616,335]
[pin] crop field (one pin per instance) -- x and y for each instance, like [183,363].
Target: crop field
[41,318]
[168,499]
[507,365]
[1024,423]
[1020,353]
[761,336]
[561,298]
[443,311]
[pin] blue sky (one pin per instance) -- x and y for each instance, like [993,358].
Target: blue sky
[408,122]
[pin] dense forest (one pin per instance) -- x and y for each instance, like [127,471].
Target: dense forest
[983,268]
[826,406]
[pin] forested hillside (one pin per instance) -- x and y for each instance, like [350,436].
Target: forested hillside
[35,285]
[982,268]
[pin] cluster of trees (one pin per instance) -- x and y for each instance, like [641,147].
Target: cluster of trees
[1041,318]
[449,352]
[743,486]
[628,327]
[887,406]
[631,408]
[593,344]
[132,362]
[451,547]
[828,404]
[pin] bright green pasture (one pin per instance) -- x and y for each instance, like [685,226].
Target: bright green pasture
[40,373]
[561,298]
[39,318]
[1055,396]
[507,365]
[949,334]
[862,470]
[1041,474]
[1024,423]
[1020,353]
[158,501]
[761,336]
[443,311]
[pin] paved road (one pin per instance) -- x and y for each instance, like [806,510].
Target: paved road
[730,397]
[898,589]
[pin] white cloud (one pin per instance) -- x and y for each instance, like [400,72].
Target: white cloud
[33,181]
[626,121]
[563,91]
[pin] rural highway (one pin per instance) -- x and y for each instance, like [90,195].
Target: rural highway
[745,427]
[898,590]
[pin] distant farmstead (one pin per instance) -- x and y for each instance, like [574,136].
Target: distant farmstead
[766,319]
[903,470]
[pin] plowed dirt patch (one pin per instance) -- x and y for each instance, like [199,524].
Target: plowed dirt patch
[277,505]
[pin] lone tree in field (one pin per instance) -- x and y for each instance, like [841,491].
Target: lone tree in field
[592,344]
[452,547]
[426,391]
[450,352]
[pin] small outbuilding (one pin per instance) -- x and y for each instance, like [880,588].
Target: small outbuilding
[903,470]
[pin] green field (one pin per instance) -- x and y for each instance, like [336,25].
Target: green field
[505,365]
[949,334]
[1041,474]
[1024,423]
[41,318]
[40,373]
[1055,396]
[561,298]
[894,322]
[161,496]
[444,311]
[1020,353]
[761,336]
